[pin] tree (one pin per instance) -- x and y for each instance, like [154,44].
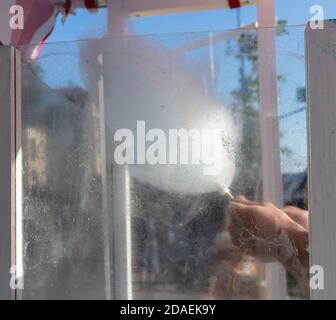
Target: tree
[245,102]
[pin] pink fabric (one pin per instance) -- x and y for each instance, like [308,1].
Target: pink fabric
[39,21]
[37,14]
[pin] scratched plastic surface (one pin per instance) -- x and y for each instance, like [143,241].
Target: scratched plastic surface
[78,242]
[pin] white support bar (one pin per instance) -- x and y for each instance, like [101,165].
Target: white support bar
[105,176]
[270,136]
[321,79]
[120,189]
[217,38]
[17,237]
[122,238]
[141,8]
[9,104]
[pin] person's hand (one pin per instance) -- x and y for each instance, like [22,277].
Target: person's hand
[271,234]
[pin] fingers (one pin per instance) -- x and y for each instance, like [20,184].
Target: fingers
[261,220]
[255,227]
[299,236]
[245,201]
[298,215]
[270,233]
[244,221]
[240,216]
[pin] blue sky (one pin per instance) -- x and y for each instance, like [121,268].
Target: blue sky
[290,54]
[85,25]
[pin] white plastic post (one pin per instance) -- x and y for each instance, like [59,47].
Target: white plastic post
[142,8]
[122,237]
[105,183]
[121,191]
[321,77]
[270,137]
[10,249]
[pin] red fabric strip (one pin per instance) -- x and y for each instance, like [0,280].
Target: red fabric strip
[234,4]
[38,49]
[67,7]
[91,4]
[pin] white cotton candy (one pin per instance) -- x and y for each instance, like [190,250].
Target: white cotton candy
[145,82]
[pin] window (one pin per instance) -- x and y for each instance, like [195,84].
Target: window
[98,229]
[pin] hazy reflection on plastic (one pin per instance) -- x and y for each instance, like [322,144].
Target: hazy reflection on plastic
[181,245]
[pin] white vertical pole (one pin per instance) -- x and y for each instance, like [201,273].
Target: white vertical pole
[271,166]
[16,69]
[117,19]
[9,84]
[121,189]
[7,156]
[321,79]
[121,208]
[105,183]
